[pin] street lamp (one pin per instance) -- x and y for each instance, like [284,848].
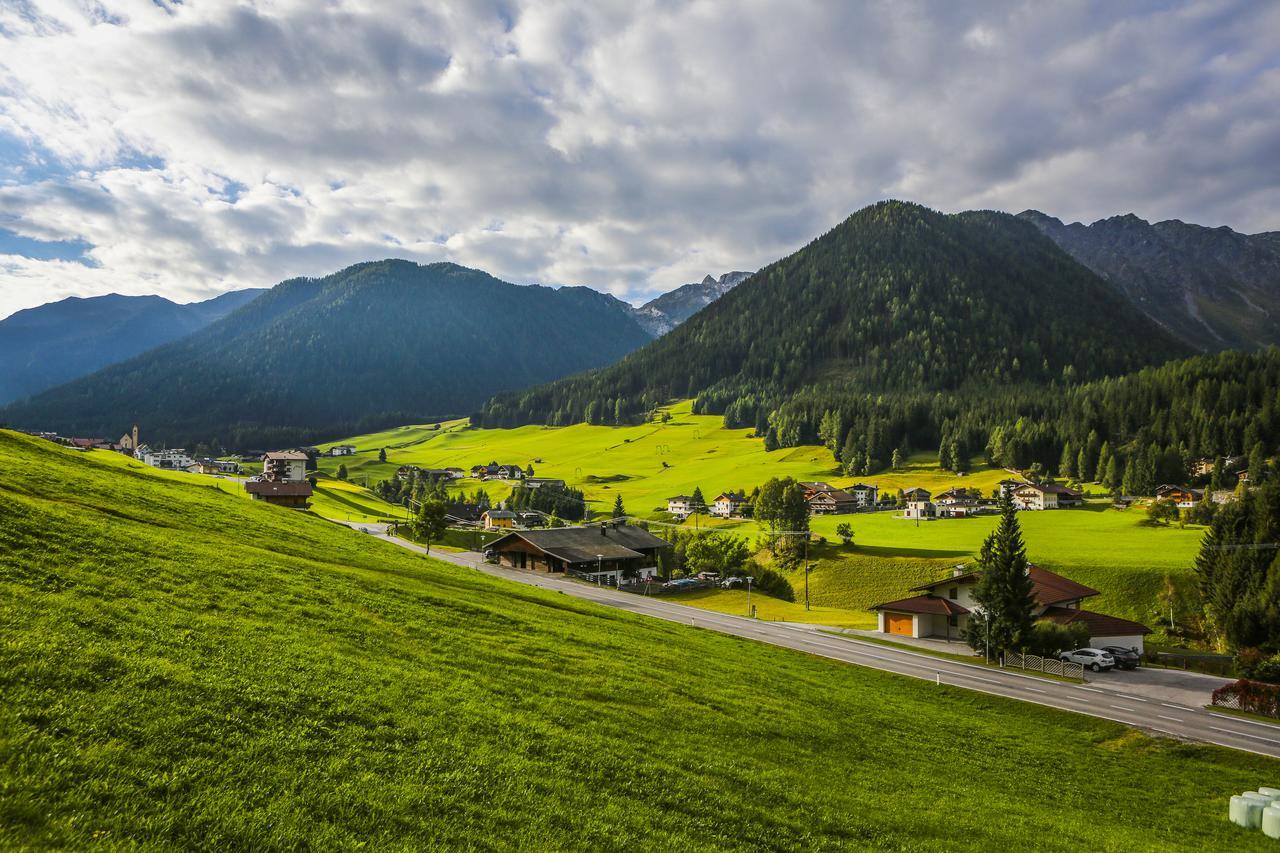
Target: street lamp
[749,580]
[600,569]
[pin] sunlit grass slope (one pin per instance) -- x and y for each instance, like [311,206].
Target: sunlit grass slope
[184,668]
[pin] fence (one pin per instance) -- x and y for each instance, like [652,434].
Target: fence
[1212,664]
[1255,697]
[1050,666]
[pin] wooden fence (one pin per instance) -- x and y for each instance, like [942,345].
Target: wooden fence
[1050,666]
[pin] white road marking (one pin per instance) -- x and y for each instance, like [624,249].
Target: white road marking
[1245,734]
[1273,726]
[1174,719]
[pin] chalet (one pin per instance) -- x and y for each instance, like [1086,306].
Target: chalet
[919,505]
[1037,496]
[830,502]
[494,471]
[1202,467]
[942,609]
[728,504]
[680,505]
[1183,497]
[285,466]
[1008,487]
[405,472]
[288,493]
[865,495]
[342,450]
[213,466]
[539,482]
[608,554]
[169,460]
[957,503]
[1222,496]
[498,518]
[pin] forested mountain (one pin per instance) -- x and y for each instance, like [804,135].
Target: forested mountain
[55,343]
[378,343]
[896,298]
[1212,287]
[661,315]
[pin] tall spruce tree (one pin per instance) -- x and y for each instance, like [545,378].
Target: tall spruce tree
[1004,588]
[619,511]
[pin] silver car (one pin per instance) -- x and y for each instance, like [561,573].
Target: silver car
[1095,659]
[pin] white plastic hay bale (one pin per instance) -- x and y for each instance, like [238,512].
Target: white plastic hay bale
[1238,814]
[1271,821]
[1273,793]
[1258,796]
[1246,810]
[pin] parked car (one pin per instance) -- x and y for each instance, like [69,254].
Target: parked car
[1094,659]
[1125,658]
[732,583]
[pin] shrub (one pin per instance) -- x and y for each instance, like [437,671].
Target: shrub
[1049,638]
[1253,696]
[1256,665]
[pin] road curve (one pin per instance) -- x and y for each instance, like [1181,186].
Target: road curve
[1149,714]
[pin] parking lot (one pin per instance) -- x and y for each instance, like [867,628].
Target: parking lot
[1163,685]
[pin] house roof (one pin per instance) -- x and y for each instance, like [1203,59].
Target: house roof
[679,498]
[586,544]
[1099,624]
[730,496]
[291,455]
[859,487]
[1047,488]
[916,491]
[924,604]
[1047,587]
[273,488]
[836,495]
[499,513]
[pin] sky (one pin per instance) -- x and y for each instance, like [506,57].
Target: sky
[187,149]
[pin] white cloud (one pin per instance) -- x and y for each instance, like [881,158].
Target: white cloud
[204,146]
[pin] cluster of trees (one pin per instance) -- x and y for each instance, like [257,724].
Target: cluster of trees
[1238,571]
[727,555]
[567,503]
[417,486]
[780,506]
[897,297]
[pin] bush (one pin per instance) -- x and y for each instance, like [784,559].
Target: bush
[1257,665]
[1049,638]
[1253,696]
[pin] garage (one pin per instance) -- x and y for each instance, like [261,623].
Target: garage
[898,623]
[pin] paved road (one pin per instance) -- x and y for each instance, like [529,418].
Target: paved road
[1097,699]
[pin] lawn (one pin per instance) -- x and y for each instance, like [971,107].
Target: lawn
[183,668]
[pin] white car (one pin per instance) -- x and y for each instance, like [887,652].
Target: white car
[1095,659]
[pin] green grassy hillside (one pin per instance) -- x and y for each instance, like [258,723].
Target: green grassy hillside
[184,668]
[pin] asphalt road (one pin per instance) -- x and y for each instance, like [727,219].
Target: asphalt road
[1110,703]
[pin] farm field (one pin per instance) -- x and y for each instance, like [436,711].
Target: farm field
[1107,549]
[185,668]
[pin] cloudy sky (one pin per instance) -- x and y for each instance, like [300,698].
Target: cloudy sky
[152,146]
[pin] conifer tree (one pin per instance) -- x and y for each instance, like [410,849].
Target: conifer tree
[1004,589]
[619,511]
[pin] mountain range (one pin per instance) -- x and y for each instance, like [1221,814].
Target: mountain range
[896,297]
[55,343]
[1214,288]
[661,315]
[373,345]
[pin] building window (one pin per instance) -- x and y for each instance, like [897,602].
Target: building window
[954,593]
[953,621]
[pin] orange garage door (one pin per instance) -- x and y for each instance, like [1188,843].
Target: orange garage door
[898,623]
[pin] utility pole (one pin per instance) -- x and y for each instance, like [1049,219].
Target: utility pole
[806,571]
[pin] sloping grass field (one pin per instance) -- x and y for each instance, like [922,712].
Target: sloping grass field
[183,668]
[1107,549]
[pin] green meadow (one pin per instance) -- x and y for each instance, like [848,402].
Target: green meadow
[183,668]
[1110,550]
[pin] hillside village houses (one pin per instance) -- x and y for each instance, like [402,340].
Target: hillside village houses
[539,482]
[175,459]
[494,471]
[283,481]
[943,607]
[611,553]
[728,504]
[1183,497]
[958,503]
[681,506]
[919,505]
[1038,496]
[342,450]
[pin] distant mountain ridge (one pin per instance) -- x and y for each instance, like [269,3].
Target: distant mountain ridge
[896,297]
[1214,288]
[61,341]
[376,344]
[661,315]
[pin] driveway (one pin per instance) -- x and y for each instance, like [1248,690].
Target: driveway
[1163,685]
